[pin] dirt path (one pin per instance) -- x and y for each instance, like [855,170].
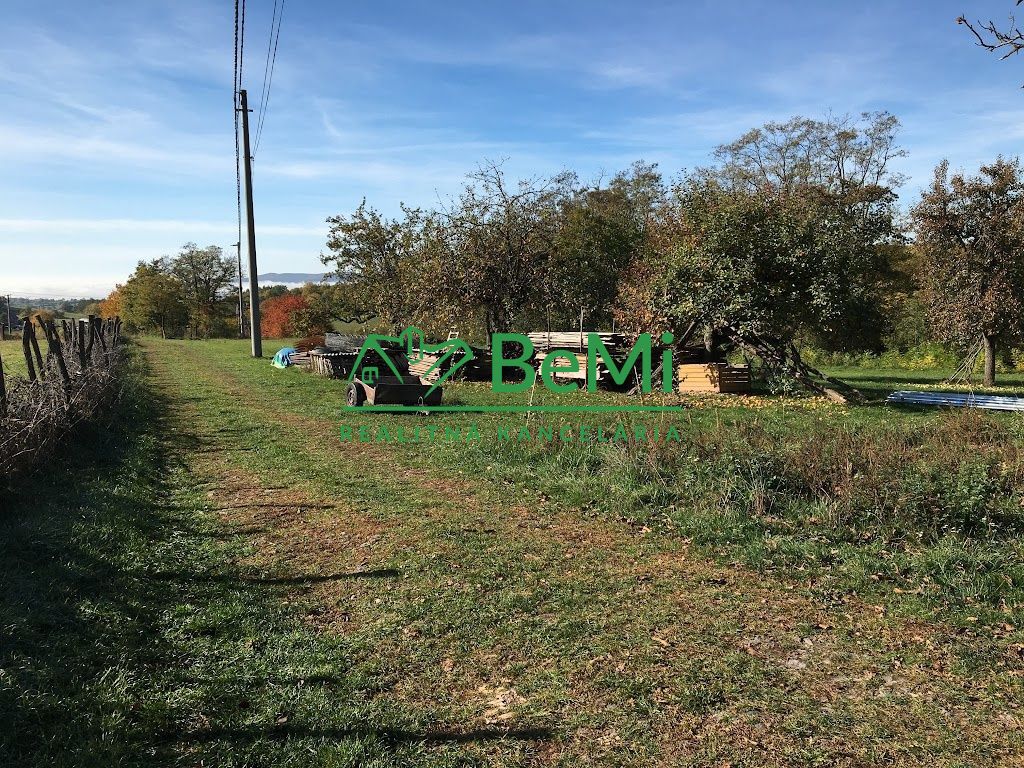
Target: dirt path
[613,644]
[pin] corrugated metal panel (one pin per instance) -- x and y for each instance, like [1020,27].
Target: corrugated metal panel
[957,400]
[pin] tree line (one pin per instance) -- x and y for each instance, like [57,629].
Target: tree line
[791,236]
[194,294]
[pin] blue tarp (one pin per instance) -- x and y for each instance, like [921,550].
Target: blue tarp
[283,358]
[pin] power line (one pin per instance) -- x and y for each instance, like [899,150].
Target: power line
[268,69]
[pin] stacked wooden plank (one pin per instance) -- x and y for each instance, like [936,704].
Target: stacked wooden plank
[563,369]
[423,362]
[547,340]
[331,363]
[576,344]
[300,359]
[713,377]
[477,369]
[343,342]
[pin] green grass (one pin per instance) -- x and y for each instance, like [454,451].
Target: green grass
[225,582]
[13,358]
[879,382]
[920,507]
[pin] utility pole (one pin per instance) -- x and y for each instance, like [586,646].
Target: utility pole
[241,315]
[10,324]
[250,231]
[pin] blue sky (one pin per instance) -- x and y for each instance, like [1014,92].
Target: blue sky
[116,138]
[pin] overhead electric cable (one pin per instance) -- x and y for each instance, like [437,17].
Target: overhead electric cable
[268,70]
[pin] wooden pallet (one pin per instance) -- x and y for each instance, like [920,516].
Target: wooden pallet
[713,377]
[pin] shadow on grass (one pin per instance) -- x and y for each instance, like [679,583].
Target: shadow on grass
[130,638]
[387,736]
[228,578]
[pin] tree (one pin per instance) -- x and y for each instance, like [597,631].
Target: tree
[601,229]
[970,240]
[113,305]
[278,316]
[379,262]
[324,304]
[789,237]
[1008,40]
[838,155]
[499,239]
[755,269]
[206,276]
[152,299]
[828,175]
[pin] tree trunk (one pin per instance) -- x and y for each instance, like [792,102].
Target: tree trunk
[990,360]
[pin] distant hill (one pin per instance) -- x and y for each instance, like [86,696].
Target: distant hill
[291,278]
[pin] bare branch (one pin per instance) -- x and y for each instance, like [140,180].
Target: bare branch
[992,38]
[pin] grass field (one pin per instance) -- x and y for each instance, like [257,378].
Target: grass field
[13,357]
[225,581]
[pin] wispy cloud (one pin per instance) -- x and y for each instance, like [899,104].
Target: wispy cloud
[164,226]
[116,126]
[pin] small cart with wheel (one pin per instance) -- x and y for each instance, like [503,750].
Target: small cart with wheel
[400,387]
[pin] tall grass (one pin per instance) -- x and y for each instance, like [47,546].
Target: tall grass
[933,507]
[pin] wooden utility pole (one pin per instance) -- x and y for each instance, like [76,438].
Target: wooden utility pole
[250,232]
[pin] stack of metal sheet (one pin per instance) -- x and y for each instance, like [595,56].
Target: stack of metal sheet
[957,400]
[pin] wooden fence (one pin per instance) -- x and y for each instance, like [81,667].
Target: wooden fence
[72,380]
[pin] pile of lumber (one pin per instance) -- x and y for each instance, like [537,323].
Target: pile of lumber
[331,363]
[309,343]
[576,343]
[477,369]
[300,359]
[344,342]
[335,356]
[423,362]
[548,340]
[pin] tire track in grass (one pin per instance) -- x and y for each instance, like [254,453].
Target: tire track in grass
[634,648]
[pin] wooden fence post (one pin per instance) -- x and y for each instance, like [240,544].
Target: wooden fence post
[35,347]
[26,347]
[100,324]
[80,344]
[3,390]
[53,343]
[92,338]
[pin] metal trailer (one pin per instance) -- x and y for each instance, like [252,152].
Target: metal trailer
[369,386]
